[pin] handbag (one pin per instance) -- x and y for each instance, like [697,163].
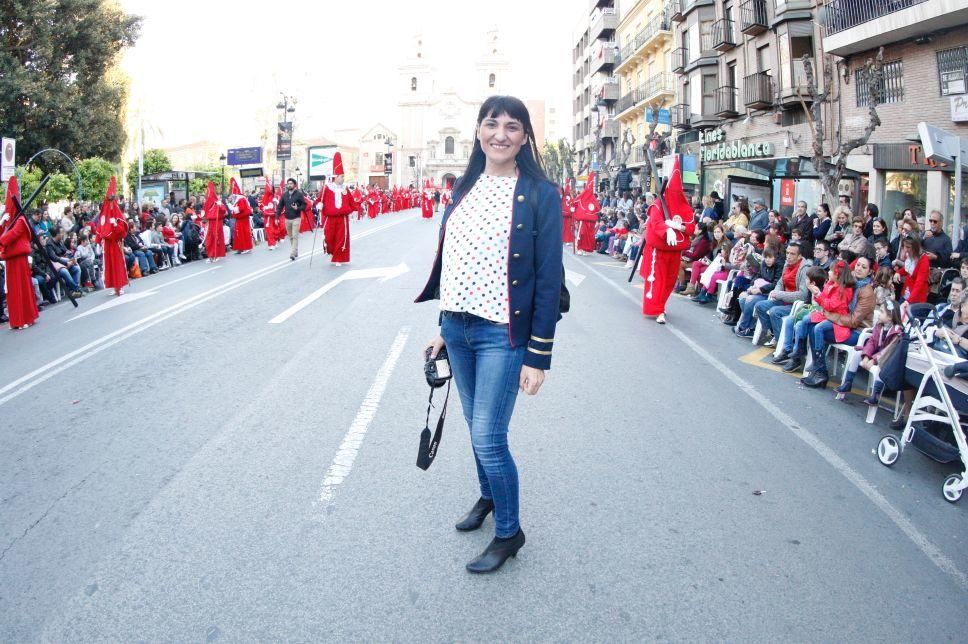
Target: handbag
[707,275]
[437,372]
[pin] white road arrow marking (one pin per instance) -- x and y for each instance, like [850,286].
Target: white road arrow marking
[133,297]
[386,273]
[573,277]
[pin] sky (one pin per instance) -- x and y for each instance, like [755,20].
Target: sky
[214,70]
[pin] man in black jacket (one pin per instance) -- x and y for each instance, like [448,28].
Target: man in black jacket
[292,204]
[802,222]
[62,261]
[135,246]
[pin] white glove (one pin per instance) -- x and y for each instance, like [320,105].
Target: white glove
[670,236]
[4,219]
[112,221]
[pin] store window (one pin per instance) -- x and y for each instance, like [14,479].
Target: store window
[892,85]
[449,145]
[953,71]
[904,190]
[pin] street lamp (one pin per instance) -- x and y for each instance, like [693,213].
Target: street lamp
[286,106]
[389,141]
[221,160]
[299,177]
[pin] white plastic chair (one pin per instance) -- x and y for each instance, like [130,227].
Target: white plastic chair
[782,339]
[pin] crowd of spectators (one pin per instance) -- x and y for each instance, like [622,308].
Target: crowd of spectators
[850,273]
[67,257]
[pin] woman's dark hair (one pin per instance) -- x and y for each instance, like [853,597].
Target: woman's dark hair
[528,159]
[883,277]
[825,208]
[883,224]
[873,210]
[914,242]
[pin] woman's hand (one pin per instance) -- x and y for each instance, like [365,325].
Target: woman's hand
[531,379]
[435,346]
[896,279]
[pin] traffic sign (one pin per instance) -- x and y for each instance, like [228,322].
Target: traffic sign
[245,156]
[8,156]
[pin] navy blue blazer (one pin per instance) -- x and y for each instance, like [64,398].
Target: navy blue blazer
[534,268]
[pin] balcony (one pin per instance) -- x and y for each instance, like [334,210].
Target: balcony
[794,84]
[758,92]
[674,11]
[680,58]
[726,102]
[753,17]
[627,102]
[690,5]
[653,35]
[605,25]
[854,26]
[590,142]
[723,35]
[609,90]
[656,86]
[680,115]
[605,59]
[610,129]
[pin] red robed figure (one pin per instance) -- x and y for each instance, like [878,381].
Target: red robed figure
[663,246]
[568,222]
[336,209]
[585,211]
[112,229]
[242,241]
[15,236]
[214,215]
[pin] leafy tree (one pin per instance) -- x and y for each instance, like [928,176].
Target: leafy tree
[567,155]
[61,186]
[552,161]
[57,60]
[155,161]
[95,175]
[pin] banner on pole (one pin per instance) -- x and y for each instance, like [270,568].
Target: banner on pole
[284,141]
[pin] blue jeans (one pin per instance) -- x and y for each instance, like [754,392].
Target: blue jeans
[764,312]
[747,306]
[823,333]
[71,277]
[487,371]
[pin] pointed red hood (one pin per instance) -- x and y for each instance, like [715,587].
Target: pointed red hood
[234,187]
[211,199]
[109,207]
[13,191]
[587,203]
[675,197]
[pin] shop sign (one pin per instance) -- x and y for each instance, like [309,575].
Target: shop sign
[959,108]
[715,148]
[905,156]
[788,190]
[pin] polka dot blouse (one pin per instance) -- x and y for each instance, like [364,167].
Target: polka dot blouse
[474,278]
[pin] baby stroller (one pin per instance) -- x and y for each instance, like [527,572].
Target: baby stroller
[934,426]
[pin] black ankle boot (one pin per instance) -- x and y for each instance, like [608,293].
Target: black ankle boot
[795,363]
[780,359]
[496,553]
[473,519]
[818,378]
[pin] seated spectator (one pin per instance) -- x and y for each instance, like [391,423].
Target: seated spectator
[699,248]
[709,209]
[766,280]
[883,284]
[736,260]
[42,273]
[84,255]
[171,237]
[719,247]
[793,350]
[841,326]
[136,248]
[887,328]
[936,243]
[191,236]
[882,254]
[791,288]
[739,218]
[855,241]
[822,255]
[957,332]
[906,228]
[155,241]
[912,271]
[62,262]
[879,231]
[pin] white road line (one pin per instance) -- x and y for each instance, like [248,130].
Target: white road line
[574,278]
[925,545]
[134,297]
[41,374]
[385,274]
[353,440]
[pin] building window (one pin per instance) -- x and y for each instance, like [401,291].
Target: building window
[490,80]
[413,84]
[953,71]
[449,145]
[433,152]
[892,86]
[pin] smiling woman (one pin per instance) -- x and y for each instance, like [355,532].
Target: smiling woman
[498,277]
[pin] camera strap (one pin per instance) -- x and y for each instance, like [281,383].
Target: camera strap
[428,446]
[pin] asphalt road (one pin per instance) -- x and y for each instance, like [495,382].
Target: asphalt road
[174,467]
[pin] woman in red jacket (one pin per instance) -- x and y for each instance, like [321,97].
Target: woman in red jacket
[913,271]
[14,248]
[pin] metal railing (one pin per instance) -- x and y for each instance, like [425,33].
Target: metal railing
[844,14]
[723,35]
[680,115]
[680,58]
[726,101]
[753,17]
[758,89]
[661,82]
[674,10]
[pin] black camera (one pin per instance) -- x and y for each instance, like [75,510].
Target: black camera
[437,370]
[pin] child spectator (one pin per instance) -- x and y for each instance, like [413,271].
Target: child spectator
[887,328]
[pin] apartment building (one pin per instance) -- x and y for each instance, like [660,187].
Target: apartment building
[645,79]
[742,125]
[595,91]
[925,79]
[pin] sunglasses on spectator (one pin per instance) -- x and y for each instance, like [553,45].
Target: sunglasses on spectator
[935,221]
